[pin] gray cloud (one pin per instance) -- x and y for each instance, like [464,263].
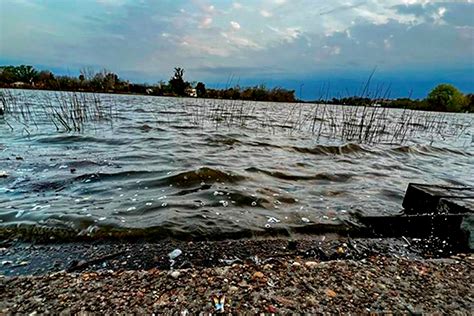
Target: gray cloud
[298,39]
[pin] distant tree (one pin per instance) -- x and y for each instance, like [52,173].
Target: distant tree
[97,82]
[45,79]
[469,107]
[26,73]
[406,103]
[179,73]
[110,81]
[8,74]
[87,73]
[177,84]
[201,90]
[446,97]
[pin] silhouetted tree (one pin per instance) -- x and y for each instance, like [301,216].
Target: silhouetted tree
[177,84]
[201,90]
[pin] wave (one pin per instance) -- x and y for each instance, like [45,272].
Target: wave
[74,139]
[184,179]
[193,228]
[334,177]
[190,178]
[32,185]
[347,149]
[428,150]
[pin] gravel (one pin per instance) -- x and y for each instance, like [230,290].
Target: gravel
[281,285]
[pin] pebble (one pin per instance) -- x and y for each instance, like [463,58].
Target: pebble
[331,293]
[311,264]
[374,284]
[272,309]
[175,274]
[258,275]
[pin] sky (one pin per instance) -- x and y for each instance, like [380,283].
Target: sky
[315,47]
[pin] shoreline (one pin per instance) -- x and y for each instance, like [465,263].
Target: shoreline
[313,102]
[26,258]
[378,284]
[304,274]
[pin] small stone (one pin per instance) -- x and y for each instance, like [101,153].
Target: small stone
[311,264]
[283,301]
[296,264]
[175,274]
[233,289]
[258,275]
[3,174]
[330,293]
[272,309]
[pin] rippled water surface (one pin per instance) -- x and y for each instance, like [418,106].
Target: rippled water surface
[205,167]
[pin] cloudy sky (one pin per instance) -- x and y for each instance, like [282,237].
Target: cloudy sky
[307,45]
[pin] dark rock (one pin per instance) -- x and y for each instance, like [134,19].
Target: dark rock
[424,199]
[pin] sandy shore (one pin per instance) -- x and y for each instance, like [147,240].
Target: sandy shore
[271,276]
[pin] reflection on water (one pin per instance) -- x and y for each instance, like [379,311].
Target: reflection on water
[214,167]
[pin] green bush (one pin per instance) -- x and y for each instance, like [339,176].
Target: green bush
[446,97]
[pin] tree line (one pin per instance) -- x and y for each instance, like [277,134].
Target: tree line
[27,77]
[444,97]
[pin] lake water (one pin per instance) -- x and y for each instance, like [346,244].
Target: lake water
[194,167]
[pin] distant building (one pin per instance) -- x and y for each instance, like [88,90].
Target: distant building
[191,92]
[18,84]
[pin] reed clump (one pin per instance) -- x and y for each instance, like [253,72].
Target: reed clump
[365,124]
[67,111]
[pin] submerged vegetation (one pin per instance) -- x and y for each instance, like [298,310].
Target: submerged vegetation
[73,111]
[67,111]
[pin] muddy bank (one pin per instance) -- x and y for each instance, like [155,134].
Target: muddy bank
[282,285]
